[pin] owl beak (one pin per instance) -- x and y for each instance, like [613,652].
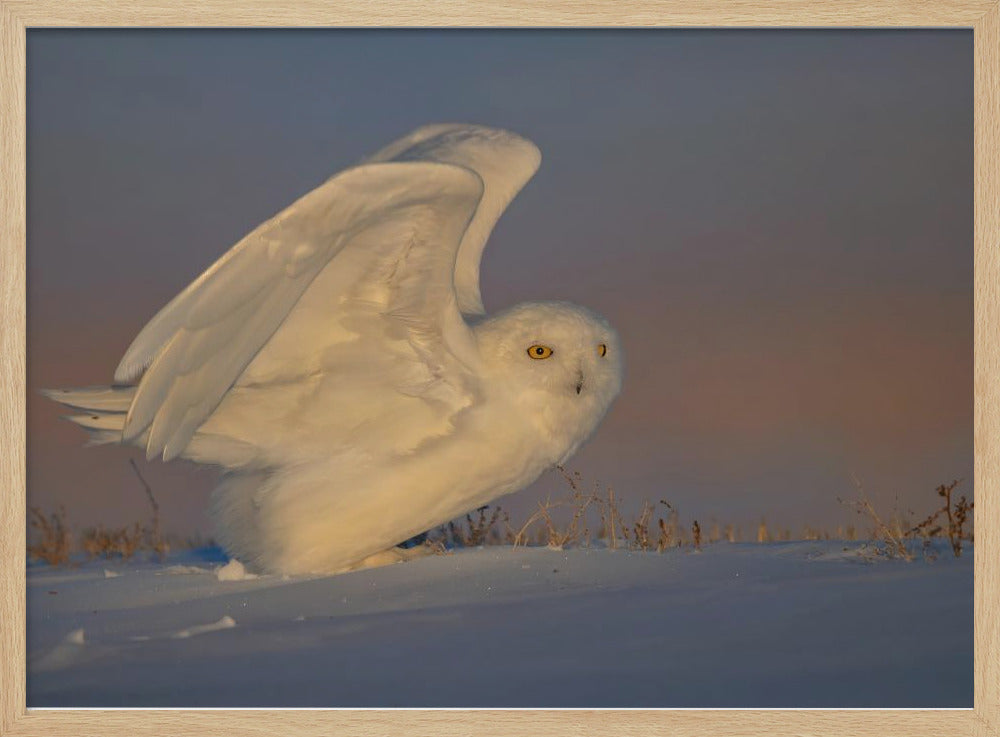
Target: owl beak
[579,382]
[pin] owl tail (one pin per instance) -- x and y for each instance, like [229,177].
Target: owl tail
[103,409]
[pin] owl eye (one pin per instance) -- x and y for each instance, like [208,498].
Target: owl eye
[602,350]
[539,351]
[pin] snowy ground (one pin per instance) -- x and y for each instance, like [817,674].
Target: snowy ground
[783,625]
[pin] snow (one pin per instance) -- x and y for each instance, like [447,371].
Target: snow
[63,654]
[179,570]
[224,623]
[804,624]
[233,571]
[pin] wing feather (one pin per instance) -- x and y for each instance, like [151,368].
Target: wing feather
[197,347]
[503,160]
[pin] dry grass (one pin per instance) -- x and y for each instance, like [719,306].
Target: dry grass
[576,529]
[53,539]
[890,537]
[640,528]
[600,508]
[953,515]
[123,542]
[476,531]
[896,539]
[585,517]
[581,517]
[763,536]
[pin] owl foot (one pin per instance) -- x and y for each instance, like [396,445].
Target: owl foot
[397,555]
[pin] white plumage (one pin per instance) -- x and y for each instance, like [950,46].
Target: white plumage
[325,364]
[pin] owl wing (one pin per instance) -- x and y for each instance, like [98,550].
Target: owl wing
[503,160]
[398,238]
[400,223]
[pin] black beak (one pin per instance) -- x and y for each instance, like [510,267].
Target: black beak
[579,387]
[579,381]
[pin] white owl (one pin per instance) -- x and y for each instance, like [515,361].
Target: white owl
[336,365]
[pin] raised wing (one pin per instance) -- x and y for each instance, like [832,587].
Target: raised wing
[405,218]
[503,160]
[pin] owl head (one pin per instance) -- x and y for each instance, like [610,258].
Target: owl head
[558,363]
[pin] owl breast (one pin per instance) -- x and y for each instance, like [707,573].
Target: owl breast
[327,516]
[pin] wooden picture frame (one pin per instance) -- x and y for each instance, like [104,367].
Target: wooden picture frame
[983,16]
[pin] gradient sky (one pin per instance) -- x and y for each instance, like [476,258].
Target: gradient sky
[779,224]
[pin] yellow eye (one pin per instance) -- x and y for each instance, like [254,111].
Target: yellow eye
[602,350]
[539,351]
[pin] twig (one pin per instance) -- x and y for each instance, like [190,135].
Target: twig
[864,504]
[155,541]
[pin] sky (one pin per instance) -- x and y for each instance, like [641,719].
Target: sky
[778,223]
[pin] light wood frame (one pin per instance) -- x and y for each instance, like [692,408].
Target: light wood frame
[983,16]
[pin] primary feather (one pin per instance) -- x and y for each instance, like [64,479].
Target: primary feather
[324,362]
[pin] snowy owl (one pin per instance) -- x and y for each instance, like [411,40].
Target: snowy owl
[337,365]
